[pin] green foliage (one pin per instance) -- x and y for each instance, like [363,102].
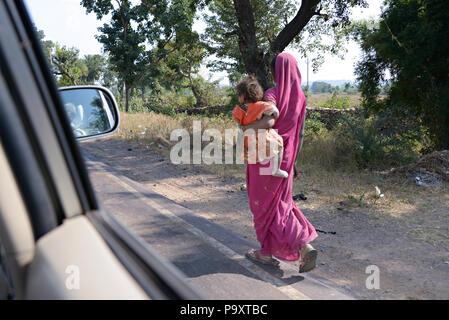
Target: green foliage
[110,78]
[139,37]
[337,102]
[378,141]
[270,19]
[220,33]
[68,68]
[173,99]
[96,66]
[409,43]
[321,87]
[67,65]
[350,89]
[324,87]
[210,92]
[314,127]
[47,45]
[306,90]
[234,98]
[121,39]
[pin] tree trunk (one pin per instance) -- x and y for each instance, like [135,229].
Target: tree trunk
[120,90]
[442,135]
[252,56]
[256,61]
[200,101]
[294,27]
[127,94]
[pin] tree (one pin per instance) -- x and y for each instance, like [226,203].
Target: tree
[181,70]
[67,65]
[409,43]
[137,36]
[321,87]
[47,45]
[246,34]
[110,79]
[69,69]
[95,64]
[121,40]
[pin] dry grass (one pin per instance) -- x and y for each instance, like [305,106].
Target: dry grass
[147,127]
[321,99]
[327,176]
[154,129]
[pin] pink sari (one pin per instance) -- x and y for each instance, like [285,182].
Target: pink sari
[281,227]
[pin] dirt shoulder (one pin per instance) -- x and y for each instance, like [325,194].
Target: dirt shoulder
[412,255]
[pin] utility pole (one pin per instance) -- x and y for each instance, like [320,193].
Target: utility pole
[308,72]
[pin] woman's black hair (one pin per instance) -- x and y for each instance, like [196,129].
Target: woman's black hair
[273,64]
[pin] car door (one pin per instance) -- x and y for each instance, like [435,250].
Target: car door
[56,241]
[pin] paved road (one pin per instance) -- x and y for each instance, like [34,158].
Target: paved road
[211,257]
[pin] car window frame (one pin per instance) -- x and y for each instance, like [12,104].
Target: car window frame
[157,277]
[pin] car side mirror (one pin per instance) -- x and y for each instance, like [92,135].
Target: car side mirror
[92,111]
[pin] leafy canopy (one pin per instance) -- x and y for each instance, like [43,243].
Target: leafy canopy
[409,48]
[325,32]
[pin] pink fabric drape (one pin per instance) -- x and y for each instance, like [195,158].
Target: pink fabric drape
[281,228]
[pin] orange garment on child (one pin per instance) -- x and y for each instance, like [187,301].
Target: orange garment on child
[255,111]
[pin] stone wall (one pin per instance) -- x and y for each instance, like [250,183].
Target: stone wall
[330,117]
[212,110]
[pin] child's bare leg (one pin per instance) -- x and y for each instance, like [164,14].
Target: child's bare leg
[277,172]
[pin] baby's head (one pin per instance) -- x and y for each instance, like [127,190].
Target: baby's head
[249,90]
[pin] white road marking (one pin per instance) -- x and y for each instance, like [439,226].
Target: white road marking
[286,289]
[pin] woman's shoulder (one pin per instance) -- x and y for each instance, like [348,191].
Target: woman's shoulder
[270,95]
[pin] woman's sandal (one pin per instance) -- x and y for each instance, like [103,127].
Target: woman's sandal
[308,258]
[254,255]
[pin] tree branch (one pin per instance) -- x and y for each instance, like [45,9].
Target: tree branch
[394,38]
[292,29]
[232,33]
[140,76]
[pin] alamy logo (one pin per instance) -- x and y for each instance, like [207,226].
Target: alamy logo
[373,281]
[188,149]
[72,281]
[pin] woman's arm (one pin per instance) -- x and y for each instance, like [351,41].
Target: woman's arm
[301,134]
[301,139]
[265,122]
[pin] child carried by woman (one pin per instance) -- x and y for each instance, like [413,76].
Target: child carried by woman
[251,109]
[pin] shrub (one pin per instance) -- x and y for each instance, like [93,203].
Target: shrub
[336,102]
[378,141]
[313,125]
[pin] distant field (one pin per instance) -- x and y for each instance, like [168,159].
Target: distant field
[326,100]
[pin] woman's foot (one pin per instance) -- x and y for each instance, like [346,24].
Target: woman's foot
[255,255]
[308,258]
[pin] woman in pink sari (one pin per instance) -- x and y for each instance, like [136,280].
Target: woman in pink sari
[282,229]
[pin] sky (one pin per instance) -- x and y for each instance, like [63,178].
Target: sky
[66,22]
